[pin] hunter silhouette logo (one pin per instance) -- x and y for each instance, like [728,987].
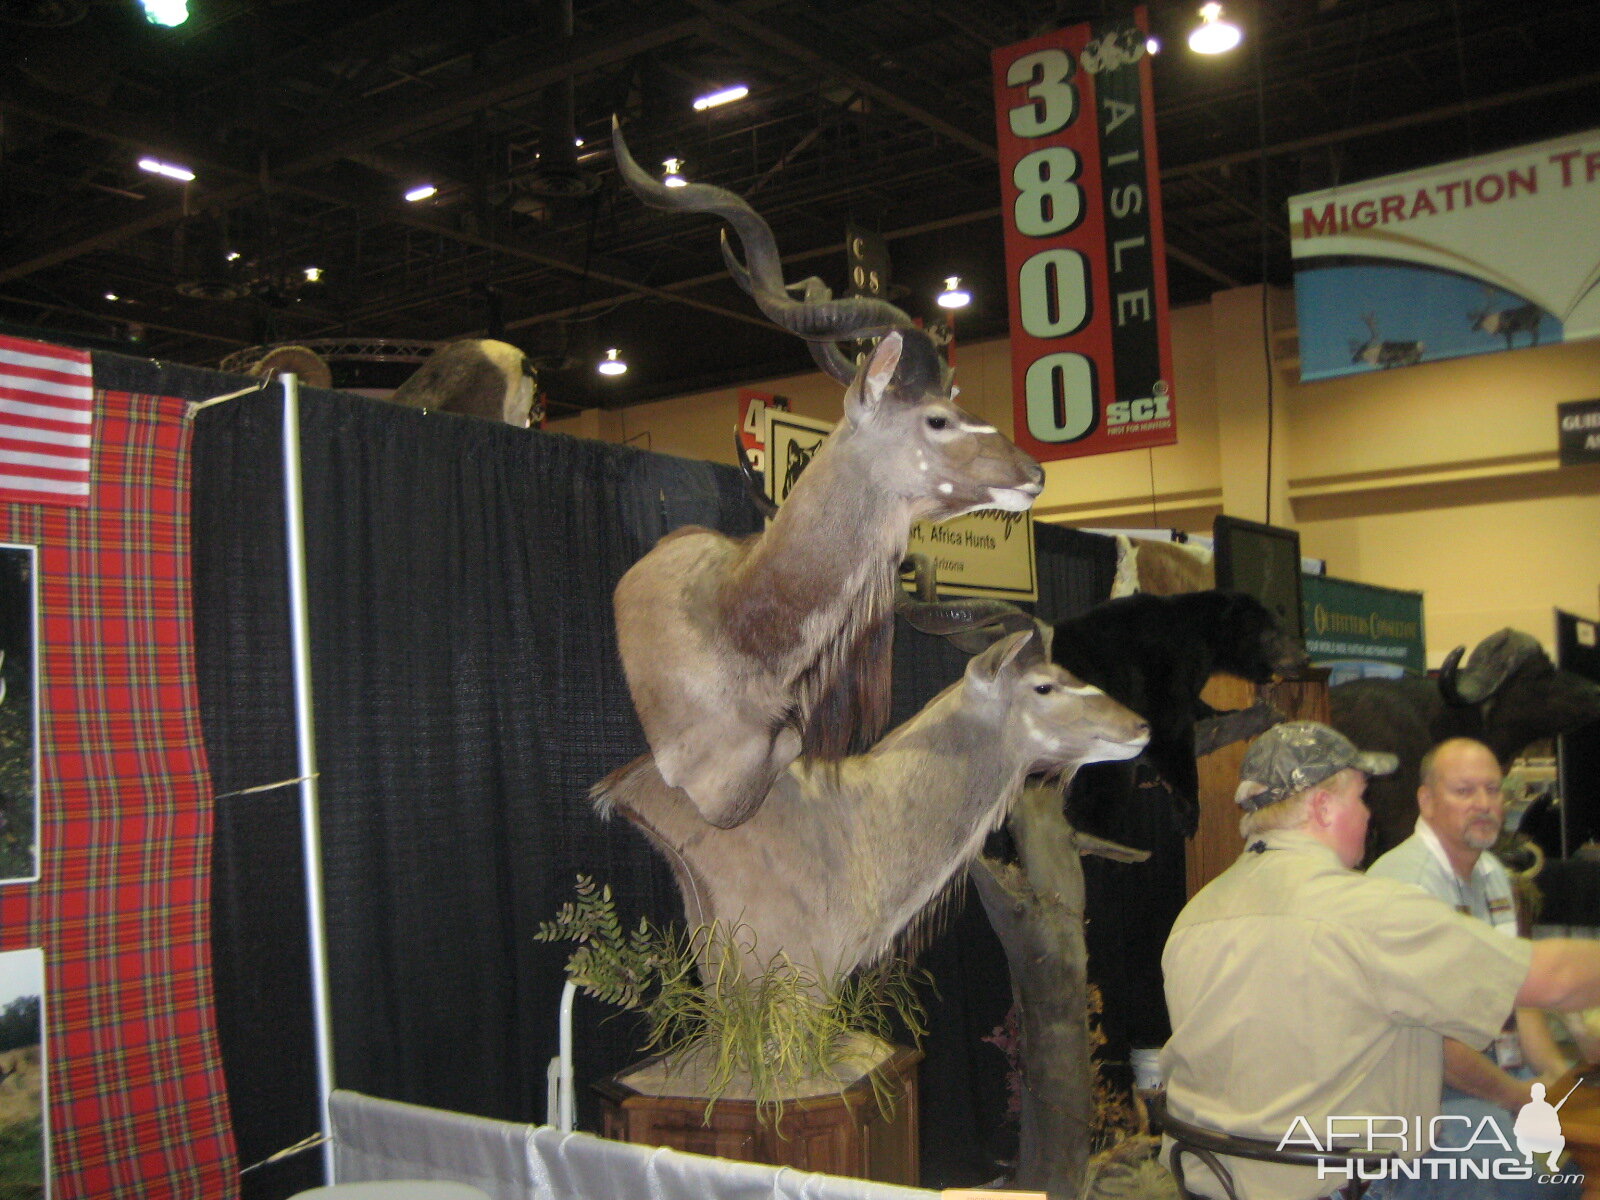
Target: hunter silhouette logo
[1538,1127]
[1448,1146]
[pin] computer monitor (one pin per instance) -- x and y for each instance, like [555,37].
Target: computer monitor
[1262,561]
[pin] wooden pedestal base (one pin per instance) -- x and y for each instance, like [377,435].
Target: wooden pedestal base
[836,1133]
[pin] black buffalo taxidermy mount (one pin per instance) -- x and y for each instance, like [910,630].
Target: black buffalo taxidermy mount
[1508,696]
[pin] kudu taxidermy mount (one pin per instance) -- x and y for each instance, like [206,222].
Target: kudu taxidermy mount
[742,654]
[842,857]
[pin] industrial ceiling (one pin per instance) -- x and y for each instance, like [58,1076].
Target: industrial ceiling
[306,122]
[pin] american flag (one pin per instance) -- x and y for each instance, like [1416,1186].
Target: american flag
[46,410]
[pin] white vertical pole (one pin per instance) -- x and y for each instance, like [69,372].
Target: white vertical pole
[305,740]
[566,1108]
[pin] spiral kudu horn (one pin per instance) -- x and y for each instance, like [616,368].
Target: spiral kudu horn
[972,626]
[816,316]
[826,355]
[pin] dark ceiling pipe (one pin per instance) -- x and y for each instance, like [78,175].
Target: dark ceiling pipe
[559,175]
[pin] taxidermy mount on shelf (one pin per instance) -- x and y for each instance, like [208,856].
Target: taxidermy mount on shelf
[843,856]
[742,655]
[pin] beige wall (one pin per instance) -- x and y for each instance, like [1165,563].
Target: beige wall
[1441,478]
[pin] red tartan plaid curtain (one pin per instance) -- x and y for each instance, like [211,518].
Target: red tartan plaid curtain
[137,1101]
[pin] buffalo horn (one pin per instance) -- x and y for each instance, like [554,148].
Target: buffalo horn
[1447,677]
[1494,660]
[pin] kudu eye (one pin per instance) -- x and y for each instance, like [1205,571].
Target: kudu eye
[1044,689]
[938,422]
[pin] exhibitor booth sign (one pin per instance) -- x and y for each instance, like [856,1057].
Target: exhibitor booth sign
[1490,253]
[1359,630]
[1091,362]
[1578,423]
[985,553]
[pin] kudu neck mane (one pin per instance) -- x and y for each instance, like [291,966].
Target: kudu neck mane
[821,571]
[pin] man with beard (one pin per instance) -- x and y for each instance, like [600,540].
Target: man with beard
[1462,807]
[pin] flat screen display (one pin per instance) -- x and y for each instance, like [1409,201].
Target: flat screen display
[1262,561]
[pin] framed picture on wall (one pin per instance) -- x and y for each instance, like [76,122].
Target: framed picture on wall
[19,714]
[24,1098]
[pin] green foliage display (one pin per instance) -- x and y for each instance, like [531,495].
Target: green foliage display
[765,1030]
[22,1161]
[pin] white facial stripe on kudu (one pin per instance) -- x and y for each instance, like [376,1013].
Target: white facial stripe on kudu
[966,428]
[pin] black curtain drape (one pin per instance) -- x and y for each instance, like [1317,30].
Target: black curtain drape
[468,693]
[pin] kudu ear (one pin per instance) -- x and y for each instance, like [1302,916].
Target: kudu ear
[880,370]
[1012,653]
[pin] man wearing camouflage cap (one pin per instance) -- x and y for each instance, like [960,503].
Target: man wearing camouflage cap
[1300,990]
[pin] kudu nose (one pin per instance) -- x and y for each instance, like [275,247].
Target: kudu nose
[1035,483]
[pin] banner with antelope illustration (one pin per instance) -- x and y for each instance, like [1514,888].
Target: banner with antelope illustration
[1491,253]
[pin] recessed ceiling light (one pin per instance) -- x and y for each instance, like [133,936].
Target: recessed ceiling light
[165,12]
[674,173]
[612,363]
[954,295]
[1214,35]
[313,274]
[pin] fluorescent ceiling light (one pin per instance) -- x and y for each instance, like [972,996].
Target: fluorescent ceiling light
[171,170]
[421,192]
[726,96]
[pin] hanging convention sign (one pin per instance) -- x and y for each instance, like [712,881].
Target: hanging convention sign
[985,553]
[1360,629]
[1490,253]
[1091,358]
[1578,427]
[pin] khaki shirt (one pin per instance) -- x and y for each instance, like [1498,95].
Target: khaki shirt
[1299,988]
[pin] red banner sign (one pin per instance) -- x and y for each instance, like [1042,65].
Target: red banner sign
[1091,358]
[753,423]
